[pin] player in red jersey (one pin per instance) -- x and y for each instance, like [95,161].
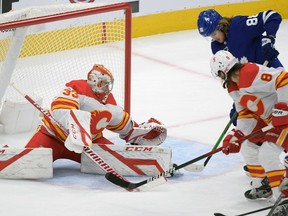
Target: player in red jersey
[260,95]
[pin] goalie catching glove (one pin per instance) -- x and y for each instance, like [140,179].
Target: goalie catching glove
[150,133]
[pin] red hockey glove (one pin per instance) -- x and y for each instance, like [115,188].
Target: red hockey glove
[229,144]
[280,115]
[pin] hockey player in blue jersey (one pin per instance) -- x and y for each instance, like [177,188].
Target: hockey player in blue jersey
[248,38]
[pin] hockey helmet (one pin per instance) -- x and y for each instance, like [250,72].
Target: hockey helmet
[208,21]
[222,61]
[100,80]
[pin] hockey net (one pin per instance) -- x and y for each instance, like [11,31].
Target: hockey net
[42,48]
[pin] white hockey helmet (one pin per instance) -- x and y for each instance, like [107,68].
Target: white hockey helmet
[222,61]
[101,81]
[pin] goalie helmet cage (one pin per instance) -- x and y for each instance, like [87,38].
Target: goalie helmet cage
[42,48]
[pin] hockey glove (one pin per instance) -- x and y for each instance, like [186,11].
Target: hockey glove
[269,52]
[79,131]
[280,115]
[150,133]
[229,144]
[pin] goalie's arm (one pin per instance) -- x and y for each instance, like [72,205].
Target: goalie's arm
[152,132]
[67,100]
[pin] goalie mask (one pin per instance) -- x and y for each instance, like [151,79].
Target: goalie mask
[222,61]
[101,81]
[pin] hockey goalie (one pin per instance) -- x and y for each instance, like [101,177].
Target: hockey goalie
[77,118]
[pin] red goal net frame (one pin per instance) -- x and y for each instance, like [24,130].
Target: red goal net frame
[85,12]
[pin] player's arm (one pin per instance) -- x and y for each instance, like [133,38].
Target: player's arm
[67,100]
[247,123]
[280,110]
[270,21]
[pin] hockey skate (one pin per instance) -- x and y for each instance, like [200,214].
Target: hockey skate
[264,191]
[281,209]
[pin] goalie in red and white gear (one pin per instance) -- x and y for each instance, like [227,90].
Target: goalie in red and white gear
[85,108]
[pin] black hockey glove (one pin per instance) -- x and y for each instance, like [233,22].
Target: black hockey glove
[269,52]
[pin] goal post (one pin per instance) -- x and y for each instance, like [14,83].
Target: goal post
[42,48]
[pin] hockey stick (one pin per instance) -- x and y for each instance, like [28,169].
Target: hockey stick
[87,150]
[277,203]
[200,167]
[130,185]
[247,213]
[259,210]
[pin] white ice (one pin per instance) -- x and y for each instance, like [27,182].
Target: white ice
[171,81]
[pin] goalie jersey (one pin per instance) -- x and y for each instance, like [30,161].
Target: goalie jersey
[79,95]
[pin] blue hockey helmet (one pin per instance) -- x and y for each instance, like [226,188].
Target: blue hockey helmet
[208,22]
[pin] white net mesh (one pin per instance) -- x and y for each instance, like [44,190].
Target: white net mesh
[41,58]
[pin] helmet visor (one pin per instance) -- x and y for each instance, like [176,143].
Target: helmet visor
[105,85]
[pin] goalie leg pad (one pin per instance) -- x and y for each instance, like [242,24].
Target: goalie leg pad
[129,160]
[26,163]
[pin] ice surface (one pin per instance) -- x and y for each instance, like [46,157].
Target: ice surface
[171,81]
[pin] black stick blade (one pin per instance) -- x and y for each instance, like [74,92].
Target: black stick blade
[218,214]
[116,180]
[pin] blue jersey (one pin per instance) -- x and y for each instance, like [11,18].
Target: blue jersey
[244,37]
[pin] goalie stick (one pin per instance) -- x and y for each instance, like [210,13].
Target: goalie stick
[200,167]
[130,185]
[87,150]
